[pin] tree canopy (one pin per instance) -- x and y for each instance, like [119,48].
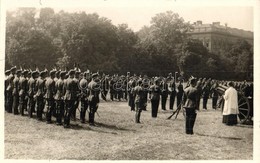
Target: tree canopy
[43,37]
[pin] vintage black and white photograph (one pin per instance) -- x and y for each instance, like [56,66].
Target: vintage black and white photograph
[128,80]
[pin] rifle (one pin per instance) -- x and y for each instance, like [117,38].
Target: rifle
[176,111]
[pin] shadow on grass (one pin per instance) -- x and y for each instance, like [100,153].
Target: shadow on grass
[97,124]
[221,137]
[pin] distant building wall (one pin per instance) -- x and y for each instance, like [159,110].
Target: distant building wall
[216,37]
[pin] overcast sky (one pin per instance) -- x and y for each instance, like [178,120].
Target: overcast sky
[137,13]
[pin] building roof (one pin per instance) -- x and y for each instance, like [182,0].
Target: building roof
[215,27]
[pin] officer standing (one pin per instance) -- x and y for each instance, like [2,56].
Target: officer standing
[32,92]
[59,84]
[49,96]
[164,93]
[94,90]
[39,96]
[16,92]
[154,96]
[83,85]
[189,104]
[69,97]
[139,100]
[131,85]
[9,89]
[23,85]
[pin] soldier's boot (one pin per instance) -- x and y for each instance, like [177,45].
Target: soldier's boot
[82,115]
[137,116]
[91,118]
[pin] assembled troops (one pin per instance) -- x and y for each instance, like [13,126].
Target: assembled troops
[94,90]
[16,92]
[49,95]
[139,100]
[32,92]
[189,104]
[164,93]
[154,95]
[23,85]
[39,96]
[83,85]
[59,84]
[70,97]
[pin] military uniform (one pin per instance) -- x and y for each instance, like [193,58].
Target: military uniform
[7,73]
[93,98]
[131,86]
[146,87]
[105,87]
[154,95]
[206,93]
[83,84]
[31,93]
[16,92]
[172,88]
[77,91]
[112,87]
[23,85]
[139,100]
[164,94]
[179,94]
[49,96]
[58,97]
[189,104]
[70,97]
[39,96]
[9,90]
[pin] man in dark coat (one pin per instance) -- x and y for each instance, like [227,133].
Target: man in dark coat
[164,93]
[154,96]
[189,104]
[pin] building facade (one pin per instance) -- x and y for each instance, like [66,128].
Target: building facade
[216,37]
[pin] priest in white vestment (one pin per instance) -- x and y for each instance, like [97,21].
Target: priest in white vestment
[230,110]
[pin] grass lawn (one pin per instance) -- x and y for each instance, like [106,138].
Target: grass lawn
[117,137]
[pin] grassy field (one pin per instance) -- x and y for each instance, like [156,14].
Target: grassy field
[117,137]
